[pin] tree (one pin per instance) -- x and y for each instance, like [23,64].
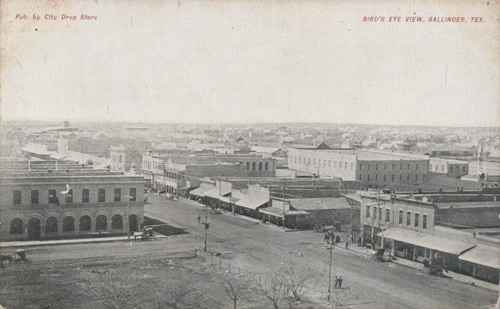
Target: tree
[232,290]
[273,288]
[295,278]
[181,292]
[109,292]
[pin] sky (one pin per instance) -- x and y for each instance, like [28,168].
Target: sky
[251,61]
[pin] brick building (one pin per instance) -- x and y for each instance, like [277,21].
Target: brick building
[372,168]
[48,200]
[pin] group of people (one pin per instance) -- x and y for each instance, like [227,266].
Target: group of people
[338,282]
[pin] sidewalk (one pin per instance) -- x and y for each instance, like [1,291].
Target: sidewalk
[37,243]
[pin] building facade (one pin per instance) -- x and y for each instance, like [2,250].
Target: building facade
[70,203]
[451,168]
[372,168]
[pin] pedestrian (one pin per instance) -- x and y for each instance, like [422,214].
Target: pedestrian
[199,219]
[326,237]
[336,282]
[340,282]
[346,244]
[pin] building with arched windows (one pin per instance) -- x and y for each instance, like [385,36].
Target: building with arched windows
[49,200]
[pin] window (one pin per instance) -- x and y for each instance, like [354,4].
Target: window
[416,166]
[408,166]
[368,178]
[324,162]
[352,166]
[416,177]
[340,164]
[253,166]
[416,219]
[384,177]
[329,163]
[387,215]
[17,197]
[400,216]
[442,168]
[392,178]
[451,169]
[380,213]
[393,166]
[463,168]
[376,167]
[53,197]
[300,160]
[430,167]
[118,195]
[368,211]
[401,177]
[314,162]
[408,177]
[133,194]
[360,166]
[120,159]
[34,197]
[400,166]
[385,167]
[85,195]
[423,177]
[101,195]
[267,166]
[16,226]
[368,166]
[345,165]
[360,177]
[374,213]
[248,166]
[424,221]
[68,198]
[408,218]
[376,177]
[260,166]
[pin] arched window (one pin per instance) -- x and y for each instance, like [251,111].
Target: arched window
[51,225]
[68,224]
[101,223]
[85,223]
[16,226]
[117,222]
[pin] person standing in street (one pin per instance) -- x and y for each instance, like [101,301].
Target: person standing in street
[340,282]
[199,218]
[336,282]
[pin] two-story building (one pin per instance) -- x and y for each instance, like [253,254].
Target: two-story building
[372,168]
[64,200]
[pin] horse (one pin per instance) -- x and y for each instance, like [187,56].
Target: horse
[5,258]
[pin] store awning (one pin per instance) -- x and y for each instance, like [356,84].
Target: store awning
[216,193]
[483,255]
[251,203]
[278,212]
[200,191]
[427,241]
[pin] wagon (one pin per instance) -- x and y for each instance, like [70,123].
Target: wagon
[146,234]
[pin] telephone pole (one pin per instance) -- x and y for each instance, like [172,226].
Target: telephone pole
[284,203]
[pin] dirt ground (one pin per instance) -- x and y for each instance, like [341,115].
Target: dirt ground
[145,282]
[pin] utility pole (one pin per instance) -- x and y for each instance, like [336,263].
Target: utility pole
[284,203]
[330,274]
[220,189]
[206,228]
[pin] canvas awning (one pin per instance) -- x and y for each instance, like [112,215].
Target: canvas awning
[216,193]
[200,191]
[278,212]
[251,203]
[483,255]
[427,241]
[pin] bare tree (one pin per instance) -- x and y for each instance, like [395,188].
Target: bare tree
[181,292]
[109,292]
[295,278]
[232,290]
[273,289]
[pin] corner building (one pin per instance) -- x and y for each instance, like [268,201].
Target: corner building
[35,202]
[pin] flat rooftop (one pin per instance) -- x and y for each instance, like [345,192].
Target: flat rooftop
[373,155]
